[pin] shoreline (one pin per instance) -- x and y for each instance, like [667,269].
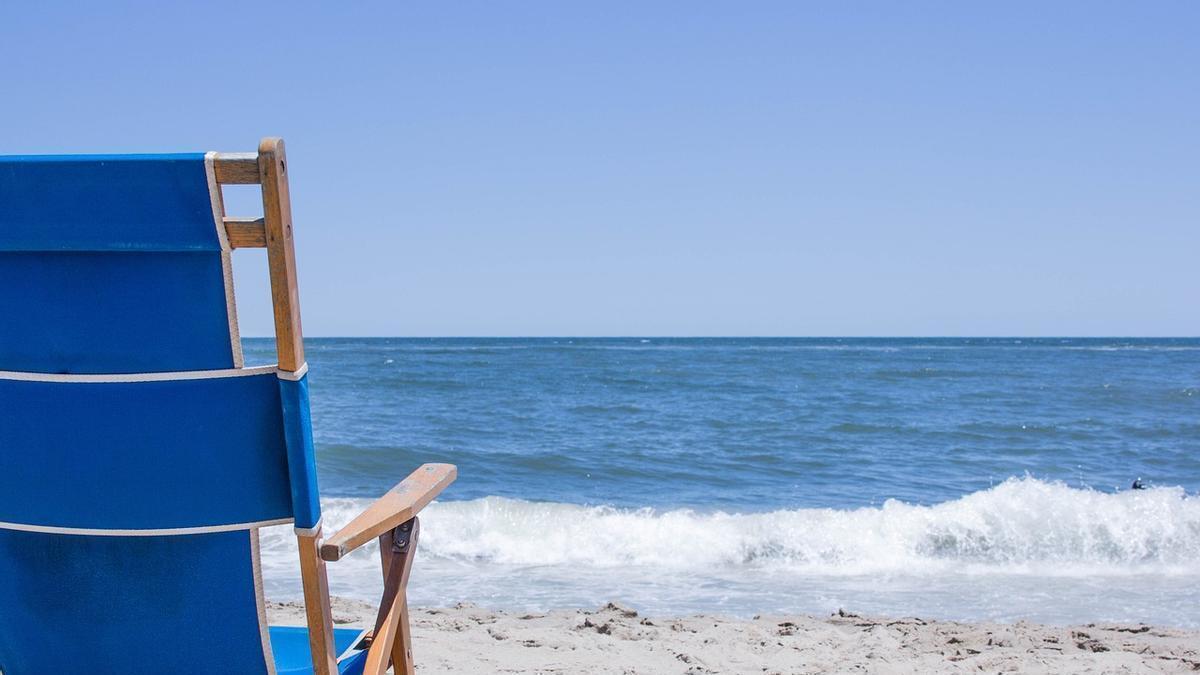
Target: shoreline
[616,639]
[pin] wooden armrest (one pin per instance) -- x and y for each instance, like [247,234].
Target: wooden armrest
[400,504]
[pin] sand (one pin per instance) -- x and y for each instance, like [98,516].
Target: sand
[615,639]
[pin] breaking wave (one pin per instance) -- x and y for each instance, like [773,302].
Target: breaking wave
[1020,525]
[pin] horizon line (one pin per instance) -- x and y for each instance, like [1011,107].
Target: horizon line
[735,337]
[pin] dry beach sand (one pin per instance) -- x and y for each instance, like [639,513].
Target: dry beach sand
[614,639]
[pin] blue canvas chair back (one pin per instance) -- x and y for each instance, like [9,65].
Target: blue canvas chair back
[138,458]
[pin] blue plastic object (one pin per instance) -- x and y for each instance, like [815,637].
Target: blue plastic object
[292,655]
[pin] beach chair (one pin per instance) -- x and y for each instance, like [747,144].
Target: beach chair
[139,457]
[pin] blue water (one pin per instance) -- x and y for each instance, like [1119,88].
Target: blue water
[750,475]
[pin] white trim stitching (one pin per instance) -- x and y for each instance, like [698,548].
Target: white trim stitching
[138,377]
[163,532]
[309,531]
[217,202]
[293,375]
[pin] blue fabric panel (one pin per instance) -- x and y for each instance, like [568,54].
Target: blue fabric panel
[143,455]
[293,657]
[302,462]
[113,312]
[110,264]
[105,203]
[128,605]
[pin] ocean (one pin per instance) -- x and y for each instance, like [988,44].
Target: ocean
[945,478]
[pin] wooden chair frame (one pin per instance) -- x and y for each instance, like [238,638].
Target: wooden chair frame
[392,519]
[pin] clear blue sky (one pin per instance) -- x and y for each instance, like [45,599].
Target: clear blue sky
[670,168]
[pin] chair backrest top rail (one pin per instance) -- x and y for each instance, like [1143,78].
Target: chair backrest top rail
[236,168]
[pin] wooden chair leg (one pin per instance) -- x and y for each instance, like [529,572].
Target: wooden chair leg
[316,604]
[392,640]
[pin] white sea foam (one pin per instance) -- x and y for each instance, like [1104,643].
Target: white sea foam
[1017,524]
[1023,528]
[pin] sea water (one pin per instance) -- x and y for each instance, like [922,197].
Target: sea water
[947,478]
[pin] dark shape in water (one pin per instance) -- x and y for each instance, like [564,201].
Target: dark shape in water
[1137,484]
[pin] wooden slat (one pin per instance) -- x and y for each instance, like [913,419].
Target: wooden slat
[402,658]
[316,605]
[236,168]
[271,171]
[246,232]
[281,253]
[400,504]
[379,655]
[393,636]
